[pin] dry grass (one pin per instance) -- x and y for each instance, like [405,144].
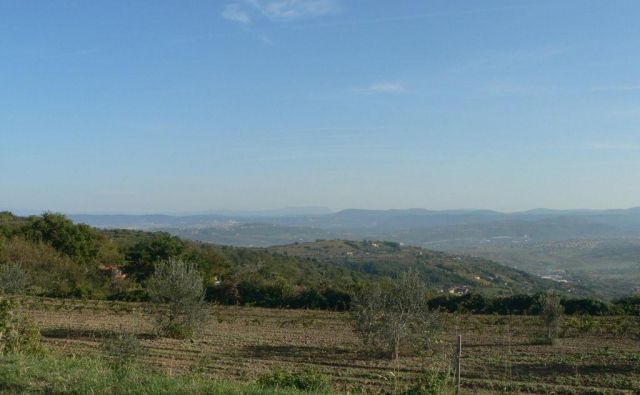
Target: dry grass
[240,344]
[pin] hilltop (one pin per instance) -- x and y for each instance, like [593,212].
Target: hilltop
[442,271]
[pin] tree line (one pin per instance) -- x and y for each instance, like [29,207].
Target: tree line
[49,255]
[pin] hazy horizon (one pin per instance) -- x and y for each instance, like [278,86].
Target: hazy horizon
[267,103]
[307,209]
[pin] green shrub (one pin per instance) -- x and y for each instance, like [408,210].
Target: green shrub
[586,306]
[431,383]
[123,350]
[551,312]
[131,295]
[308,380]
[84,375]
[13,278]
[18,334]
[179,286]
[629,305]
[78,241]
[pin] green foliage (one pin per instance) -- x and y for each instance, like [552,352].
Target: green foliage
[13,278]
[83,375]
[307,380]
[131,295]
[179,286]
[587,306]
[584,324]
[63,259]
[373,260]
[50,272]
[10,225]
[142,256]
[278,293]
[431,383]
[629,305]
[18,334]
[77,241]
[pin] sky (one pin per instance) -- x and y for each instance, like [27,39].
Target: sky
[183,106]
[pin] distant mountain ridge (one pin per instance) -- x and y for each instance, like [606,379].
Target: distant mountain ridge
[359,221]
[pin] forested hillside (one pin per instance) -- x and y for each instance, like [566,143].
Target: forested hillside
[71,260]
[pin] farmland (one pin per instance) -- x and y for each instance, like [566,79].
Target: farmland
[500,353]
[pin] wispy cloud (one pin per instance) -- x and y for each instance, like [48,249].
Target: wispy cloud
[295,9]
[616,88]
[279,10]
[429,15]
[385,87]
[266,39]
[233,12]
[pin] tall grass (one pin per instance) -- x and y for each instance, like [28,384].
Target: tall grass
[21,374]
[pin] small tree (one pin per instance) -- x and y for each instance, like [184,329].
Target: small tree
[13,278]
[386,316]
[551,312]
[178,284]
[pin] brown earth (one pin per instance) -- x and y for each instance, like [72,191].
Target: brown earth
[500,354]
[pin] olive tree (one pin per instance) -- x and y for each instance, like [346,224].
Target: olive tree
[551,312]
[179,287]
[386,316]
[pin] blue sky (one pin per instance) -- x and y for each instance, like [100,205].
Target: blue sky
[173,106]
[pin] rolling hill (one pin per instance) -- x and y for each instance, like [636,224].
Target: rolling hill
[442,271]
[51,246]
[526,240]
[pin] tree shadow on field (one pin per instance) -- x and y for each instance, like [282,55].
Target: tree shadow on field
[329,356]
[87,334]
[554,369]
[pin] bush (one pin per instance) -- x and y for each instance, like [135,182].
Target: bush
[431,383]
[132,295]
[178,284]
[629,305]
[85,375]
[586,306]
[13,278]
[308,380]
[18,335]
[511,305]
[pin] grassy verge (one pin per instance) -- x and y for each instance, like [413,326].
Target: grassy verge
[48,375]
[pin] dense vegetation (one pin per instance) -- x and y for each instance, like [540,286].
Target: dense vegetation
[63,259]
